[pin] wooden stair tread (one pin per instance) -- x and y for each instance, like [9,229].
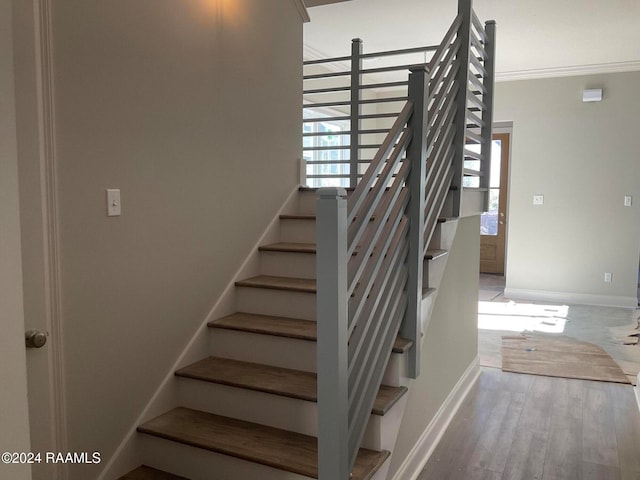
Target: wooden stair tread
[293,247]
[283,327]
[305,216]
[147,473]
[280,283]
[433,254]
[427,291]
[274,380]
[297,216]
[289,247]
[289,451]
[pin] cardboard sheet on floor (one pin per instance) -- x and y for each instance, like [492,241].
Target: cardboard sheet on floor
[559,356]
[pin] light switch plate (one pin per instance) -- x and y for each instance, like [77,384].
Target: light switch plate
[114,207]
[538,199]
[627,200]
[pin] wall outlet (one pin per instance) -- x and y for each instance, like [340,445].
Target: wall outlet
[627,200]
[607,277]
[538,199]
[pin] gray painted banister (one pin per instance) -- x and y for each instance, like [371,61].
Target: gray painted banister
[371,246]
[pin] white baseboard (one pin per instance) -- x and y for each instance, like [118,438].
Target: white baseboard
[637,390]
[570,298]
[426,444]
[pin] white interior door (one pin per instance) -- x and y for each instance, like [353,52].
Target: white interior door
[31,94]
[14,420]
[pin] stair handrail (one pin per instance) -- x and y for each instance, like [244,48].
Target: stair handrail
[371,247]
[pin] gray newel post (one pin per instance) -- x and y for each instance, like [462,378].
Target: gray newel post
[487,98]
[417,155]
[332,319]
[462,79]
[356,110]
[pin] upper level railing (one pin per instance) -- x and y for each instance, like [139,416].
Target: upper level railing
[371,246]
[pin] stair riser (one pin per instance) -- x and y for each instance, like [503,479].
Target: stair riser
[288,264]
[298,231]
[434,270]
[282,303]
[307,201]
[278,411]
[199,464]
[443,235]
[284,352]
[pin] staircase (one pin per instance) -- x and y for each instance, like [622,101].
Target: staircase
[249,409]
[304,370]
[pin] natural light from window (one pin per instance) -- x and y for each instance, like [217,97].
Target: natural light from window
[518,317]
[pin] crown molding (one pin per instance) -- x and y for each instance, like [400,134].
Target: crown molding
[571,71]
[302,10]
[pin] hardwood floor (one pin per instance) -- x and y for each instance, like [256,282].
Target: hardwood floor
[525,427]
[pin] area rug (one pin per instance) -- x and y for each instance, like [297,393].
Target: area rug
[559,356]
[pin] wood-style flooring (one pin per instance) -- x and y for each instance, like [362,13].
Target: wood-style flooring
[525,427]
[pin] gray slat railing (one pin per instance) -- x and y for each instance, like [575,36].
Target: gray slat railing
[372,244]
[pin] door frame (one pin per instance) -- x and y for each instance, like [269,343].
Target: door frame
[506,128]
[35,107]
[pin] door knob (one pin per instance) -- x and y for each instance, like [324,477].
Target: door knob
[35,339]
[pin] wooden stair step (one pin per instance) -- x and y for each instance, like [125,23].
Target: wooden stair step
[274,380]
[434,254]
[147,473]
[294,247]
[306,216]
[281,449]
[312,216]
[296,216]
[282,327]
[291,247]
[280,283]
[427,291]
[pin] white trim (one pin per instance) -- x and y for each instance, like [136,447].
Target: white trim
[125,452]
[426,444]
[302,10]
[637,391]
[571,71]
[571,298]
[45,89]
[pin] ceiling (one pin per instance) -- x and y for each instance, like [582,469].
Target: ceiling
[541,38]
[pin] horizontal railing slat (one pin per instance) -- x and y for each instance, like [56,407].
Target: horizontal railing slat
[477,83]
[317,76]
[326,60]
[471,154]
[405,51]
[384,85]
[365,265]
[358,227]
[326,119]
[357,198]
[326,90]
[443,68]
[444,46]
[363,305]
[475,100]
[476,63]
[479,27]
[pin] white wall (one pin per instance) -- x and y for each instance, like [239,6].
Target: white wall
[583,157]
[14,421]
[192,109]
[450,343]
